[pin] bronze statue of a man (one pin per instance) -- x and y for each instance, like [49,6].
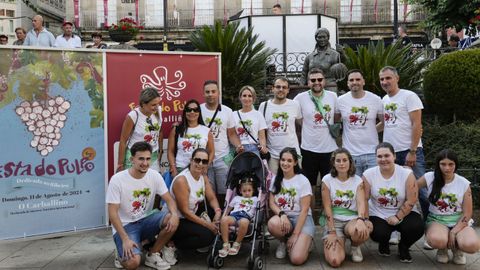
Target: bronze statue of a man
[323,57]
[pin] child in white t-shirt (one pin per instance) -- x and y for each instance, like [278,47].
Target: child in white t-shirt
[241,211]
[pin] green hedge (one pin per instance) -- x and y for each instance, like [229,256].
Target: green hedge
[452,86]
[464,139]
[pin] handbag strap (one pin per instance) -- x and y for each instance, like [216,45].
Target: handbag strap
[246,130]
[214,115]
[318,107]
[133,129]
[264,116]
[204,193]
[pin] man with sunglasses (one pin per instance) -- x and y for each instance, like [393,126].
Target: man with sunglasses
[219,118]
[280,114]
[359,111]
[317,107]
[130,198]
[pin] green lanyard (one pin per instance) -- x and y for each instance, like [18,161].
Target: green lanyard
[318,102]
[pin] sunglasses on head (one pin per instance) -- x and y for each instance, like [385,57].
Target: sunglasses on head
[200,160]
[189,109]
[316,80]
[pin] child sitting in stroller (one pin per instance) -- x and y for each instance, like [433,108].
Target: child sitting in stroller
[241,211]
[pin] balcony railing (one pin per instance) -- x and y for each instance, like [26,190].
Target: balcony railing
[187,18]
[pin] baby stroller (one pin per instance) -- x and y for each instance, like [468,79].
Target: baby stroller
[246,164]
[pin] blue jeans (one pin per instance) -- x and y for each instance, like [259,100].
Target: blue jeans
[251,148]
[239,215]
[217,175]
[364,162]
[145,228]
[418,171]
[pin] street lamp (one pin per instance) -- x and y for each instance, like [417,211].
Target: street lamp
[165,23]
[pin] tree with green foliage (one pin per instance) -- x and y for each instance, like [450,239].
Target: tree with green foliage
[244,58]
[452,86]
[370,59]
[454,13]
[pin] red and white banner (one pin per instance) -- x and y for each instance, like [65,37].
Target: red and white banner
[177,77]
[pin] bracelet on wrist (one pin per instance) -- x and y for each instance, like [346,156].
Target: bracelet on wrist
[362,219]
[399,220]
[332,231]
[281,213]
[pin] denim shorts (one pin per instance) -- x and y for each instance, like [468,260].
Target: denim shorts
[308,226]
[339,226]
[239,215]
[145,228]
[364,162]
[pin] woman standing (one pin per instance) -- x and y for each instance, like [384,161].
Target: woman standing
[250,125]
[192,189]
[393,195]
[189,135]
[289,200]
[142,124]
[450,210]
[345,210]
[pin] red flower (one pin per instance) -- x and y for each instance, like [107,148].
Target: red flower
[124,27]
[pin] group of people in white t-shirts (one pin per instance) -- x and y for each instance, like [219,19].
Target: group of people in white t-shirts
[369,189]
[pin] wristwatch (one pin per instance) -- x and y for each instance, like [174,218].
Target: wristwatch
[412,151]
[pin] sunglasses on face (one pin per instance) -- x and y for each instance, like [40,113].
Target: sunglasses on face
[199,160]
[316,80]
[189,109]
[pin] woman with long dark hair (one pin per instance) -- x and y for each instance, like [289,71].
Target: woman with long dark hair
[345,210]
[289,200]
[393,194]
[187,136]
[450,210]
[142,124]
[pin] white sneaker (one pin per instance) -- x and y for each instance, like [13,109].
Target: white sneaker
[154,260]
[116,261]
[459,257]
[442,255]
[281,251]
[357,254]
[426,246]
[169,255]
[394,238]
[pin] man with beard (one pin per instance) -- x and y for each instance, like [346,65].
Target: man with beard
[219,118]
[317,107]
[359,111]
[130,198]
[280,114]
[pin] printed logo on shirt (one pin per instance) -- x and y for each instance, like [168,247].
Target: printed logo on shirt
[215,128]
[242,133]
[191,142]
[151,132]
[286,198]
[343,199]
[246,204]
[447,202]
[388,197]
[279,122]
[319,119]
[200,193]
[358,116]
[390,115]
[139,202]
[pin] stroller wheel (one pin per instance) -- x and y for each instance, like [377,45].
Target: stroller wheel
[217,262]
[258,263]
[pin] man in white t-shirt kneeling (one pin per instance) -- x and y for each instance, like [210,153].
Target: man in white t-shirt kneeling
[130,198]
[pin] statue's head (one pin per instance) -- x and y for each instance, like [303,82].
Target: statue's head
[322,36]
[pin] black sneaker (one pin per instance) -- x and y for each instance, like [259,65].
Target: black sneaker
[404,255]
[384,249]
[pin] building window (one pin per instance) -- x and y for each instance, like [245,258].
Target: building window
[10,13]
[252,7]
[301,7]
[10,24]
[204,12]
[350,11]
[2,12]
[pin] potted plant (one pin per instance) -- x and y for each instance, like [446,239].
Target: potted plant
[126,30]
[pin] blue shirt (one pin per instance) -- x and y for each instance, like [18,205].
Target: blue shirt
[44,39]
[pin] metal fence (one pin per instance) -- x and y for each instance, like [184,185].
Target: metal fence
[189,18]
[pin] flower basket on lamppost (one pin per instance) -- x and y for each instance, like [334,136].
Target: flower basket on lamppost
[126,30]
